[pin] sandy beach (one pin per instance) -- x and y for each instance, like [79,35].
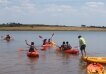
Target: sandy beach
[50,28]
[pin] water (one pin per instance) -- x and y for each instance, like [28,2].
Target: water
[13,61]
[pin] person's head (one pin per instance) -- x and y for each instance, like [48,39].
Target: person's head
[48,40]
[67,42]
[7,34]
[45,40]
[32,43]
[79,36]
[63,42]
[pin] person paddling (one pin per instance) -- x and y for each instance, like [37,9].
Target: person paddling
[45,42]
[68,46]
[63,46]
[32,47]
[7,37]
[82,44]
[49,41]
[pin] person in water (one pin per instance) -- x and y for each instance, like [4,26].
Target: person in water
[32,47]
[7,37]
[63,46]
[45,42]
[68,46]
[82,45]
[49,41]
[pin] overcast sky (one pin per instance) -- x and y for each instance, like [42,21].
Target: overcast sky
[54,12]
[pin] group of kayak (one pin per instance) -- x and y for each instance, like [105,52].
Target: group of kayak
[95,64]
[65,47]
[33,50]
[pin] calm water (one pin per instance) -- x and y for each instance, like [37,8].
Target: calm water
[13,61]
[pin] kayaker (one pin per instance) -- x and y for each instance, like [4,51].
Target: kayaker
[68,46]
[49,41]
[63,46]
[32,47]
[82,44]
[45,42]
[7,37]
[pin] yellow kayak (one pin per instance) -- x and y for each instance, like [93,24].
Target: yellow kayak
[95,59]
[95,68]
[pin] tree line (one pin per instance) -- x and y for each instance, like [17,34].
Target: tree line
[13,24]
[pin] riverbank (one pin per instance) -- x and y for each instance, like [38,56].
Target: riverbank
[50,28]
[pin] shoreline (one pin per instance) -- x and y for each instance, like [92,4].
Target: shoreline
[49,28]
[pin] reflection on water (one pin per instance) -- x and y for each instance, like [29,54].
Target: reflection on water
[82,67]
[14,60]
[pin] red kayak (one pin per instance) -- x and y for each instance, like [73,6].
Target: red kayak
[33,54]
[95,68]
[72,51]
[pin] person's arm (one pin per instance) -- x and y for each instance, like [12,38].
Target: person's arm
[70,46]
[35,48]
[27,42]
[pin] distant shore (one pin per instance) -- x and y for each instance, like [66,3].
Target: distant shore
[50,28]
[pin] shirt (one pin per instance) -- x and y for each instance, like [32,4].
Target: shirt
[82,41]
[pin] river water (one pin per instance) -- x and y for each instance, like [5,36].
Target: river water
[14,61]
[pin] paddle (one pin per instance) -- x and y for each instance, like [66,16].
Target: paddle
[52,36]
[40,37]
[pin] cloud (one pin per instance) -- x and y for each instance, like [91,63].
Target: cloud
[18,7]
[94,9]
[3,1]
[59,10]
[29,10]
[95,4]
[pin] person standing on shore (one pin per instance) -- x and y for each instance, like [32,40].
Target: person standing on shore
[82,44]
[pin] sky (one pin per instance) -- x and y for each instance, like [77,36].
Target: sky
[54,12]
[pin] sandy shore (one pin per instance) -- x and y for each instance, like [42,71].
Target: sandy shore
[50,28]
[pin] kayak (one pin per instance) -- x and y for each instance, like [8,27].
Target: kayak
[33,54]
[7,39]
[95,59]
[47,46]
[95,68]
[52,44]
[72,51]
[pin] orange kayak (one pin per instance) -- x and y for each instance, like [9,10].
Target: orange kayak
[33,54]
[95,68]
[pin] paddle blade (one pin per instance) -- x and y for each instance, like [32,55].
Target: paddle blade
[40,37]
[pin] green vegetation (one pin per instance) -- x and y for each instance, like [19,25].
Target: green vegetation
[43,25]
